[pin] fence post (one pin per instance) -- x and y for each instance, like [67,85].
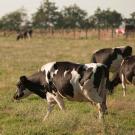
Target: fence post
[99,32]
[112,32]
[86,31]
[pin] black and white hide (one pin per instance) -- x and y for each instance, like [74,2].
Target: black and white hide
[127,72]
[75,82]
[112,58]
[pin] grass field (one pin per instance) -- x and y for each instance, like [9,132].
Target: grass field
[25,117]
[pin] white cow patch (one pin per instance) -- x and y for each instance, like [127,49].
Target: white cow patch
[78,95]
[93,65]
[55,72]
[48,68]
[65,73]
[74,80]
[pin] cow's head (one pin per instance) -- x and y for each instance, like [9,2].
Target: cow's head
[22,91]
[28,85]
[124,51]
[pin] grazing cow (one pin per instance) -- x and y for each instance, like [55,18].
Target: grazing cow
[30,32]
[112,58]
[129,28]
[127,72]
[20,35]
[24,34]
[58,80]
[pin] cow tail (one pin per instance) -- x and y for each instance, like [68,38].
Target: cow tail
[103,88]
[103,82]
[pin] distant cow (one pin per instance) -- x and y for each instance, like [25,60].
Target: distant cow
[58,80]
[24,34]
[127,72]
[112,58]
[129,28]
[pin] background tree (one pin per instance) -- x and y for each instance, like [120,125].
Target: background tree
[13,20]
[107,19]
[114,19]
[73,16]
[98,20]
[132,18]
[46,16]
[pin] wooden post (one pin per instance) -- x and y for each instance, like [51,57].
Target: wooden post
[86,31]
[74,32]
[99,32]
[126,34]
[112,32]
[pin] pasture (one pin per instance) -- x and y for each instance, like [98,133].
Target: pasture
[24,117]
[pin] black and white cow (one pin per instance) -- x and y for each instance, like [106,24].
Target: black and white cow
[127,72]
[58,80]
[24,34]
[112,58]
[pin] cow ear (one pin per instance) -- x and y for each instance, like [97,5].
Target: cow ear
[115,52]
[23,78]
[127,51]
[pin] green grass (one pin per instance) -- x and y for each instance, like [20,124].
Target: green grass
[25,117]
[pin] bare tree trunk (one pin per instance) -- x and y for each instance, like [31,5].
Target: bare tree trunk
[99,32]
[126,34]
[62,32]
[80,33]
[4,34]
[112,32]
[74,32]
[86,31]
[52,31]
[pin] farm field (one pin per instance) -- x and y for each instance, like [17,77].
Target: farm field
[24,117]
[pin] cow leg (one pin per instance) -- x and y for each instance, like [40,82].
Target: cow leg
[104,106]
[133,80]
[55,97]
[52,100]
[100,111]
[50,104]
[91,94]
[123,84]
[59,100]
[49,110]
[115,81]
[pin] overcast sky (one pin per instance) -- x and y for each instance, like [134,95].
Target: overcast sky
[123,6]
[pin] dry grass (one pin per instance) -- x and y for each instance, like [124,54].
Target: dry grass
[25,117]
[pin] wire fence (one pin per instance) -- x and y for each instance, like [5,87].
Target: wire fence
[106,34]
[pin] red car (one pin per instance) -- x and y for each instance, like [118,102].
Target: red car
[120,31]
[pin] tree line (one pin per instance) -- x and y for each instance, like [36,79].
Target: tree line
[49,16]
